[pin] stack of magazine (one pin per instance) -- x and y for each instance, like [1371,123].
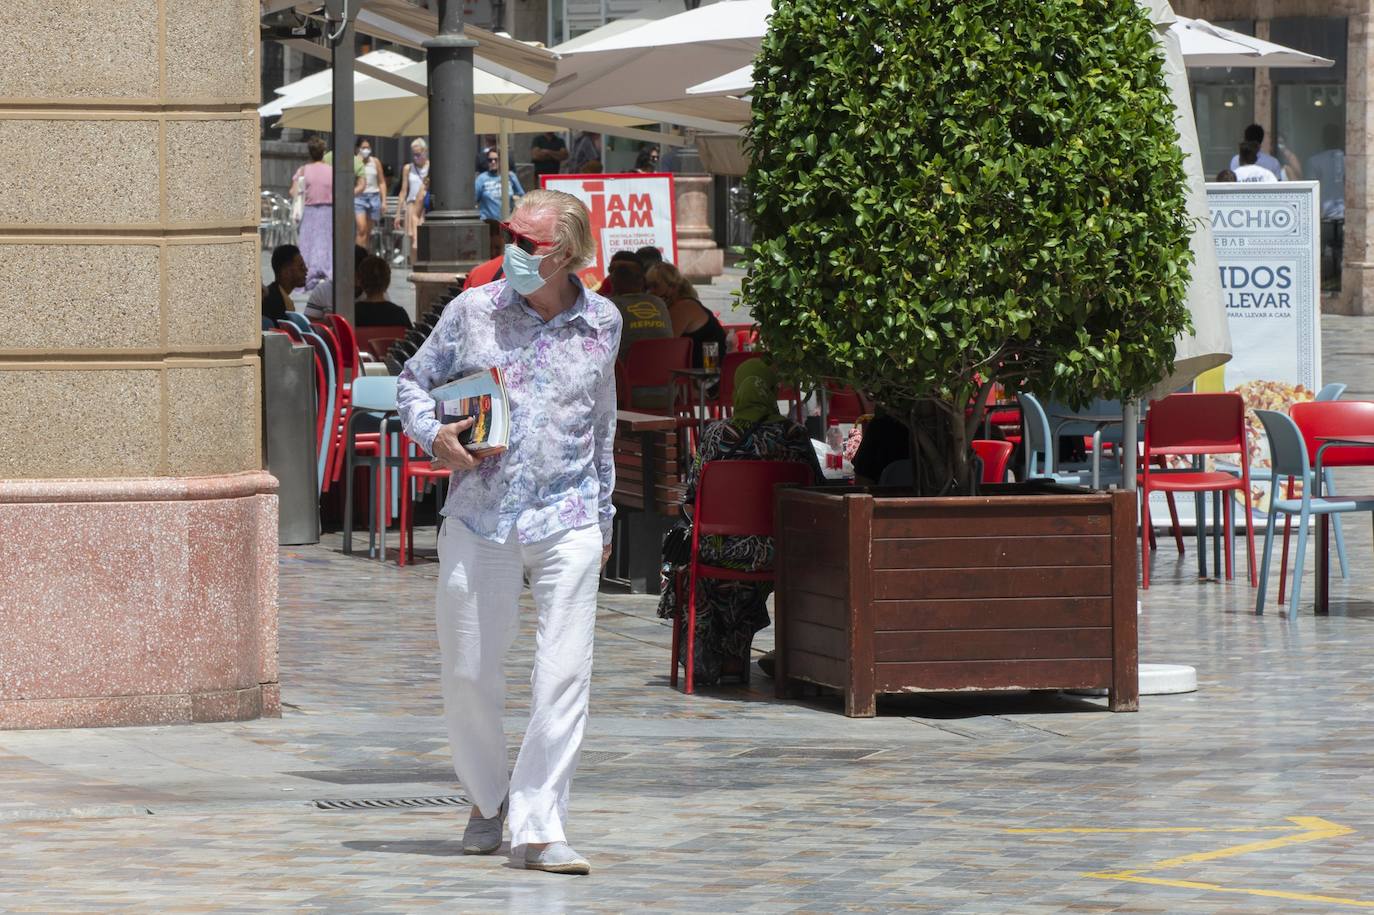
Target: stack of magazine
[480,396]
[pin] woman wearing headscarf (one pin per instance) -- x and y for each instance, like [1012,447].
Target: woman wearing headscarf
[730,612]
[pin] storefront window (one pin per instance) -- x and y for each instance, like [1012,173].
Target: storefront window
[1223,105]
[1309,121]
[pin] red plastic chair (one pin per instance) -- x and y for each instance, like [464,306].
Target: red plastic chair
[342,387]
[377,340]
[1196,424]
[995,457]
[844,404]
[650,364]
[413,467]
[1314,420]
[734,499]
[351,368]
[724,402]
[744,334]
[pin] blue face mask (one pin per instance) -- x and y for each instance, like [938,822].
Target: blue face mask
[522,270]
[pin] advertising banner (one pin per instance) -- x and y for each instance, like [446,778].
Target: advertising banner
[628,212]
[1267,240]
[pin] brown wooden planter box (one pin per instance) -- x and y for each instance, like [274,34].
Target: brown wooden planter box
[1032,588]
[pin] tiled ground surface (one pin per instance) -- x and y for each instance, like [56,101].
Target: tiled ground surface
[728,800]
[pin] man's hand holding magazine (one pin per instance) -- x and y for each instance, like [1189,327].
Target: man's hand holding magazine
[449,452]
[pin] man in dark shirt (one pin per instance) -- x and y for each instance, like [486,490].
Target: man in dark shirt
[374,309]
[886,440]
[288,273]
[643,316]
[548,152]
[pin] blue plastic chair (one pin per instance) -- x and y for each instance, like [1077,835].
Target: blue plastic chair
[374,397]
[1333,391]
[300,320]
[1288,457]
[1038,446]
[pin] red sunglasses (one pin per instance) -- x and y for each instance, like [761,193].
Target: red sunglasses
[522,241]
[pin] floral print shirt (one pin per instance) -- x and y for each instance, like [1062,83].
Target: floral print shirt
[558,472]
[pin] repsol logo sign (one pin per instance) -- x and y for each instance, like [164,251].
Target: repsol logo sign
[1254,219]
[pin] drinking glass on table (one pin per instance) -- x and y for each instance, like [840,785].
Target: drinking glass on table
[710,356]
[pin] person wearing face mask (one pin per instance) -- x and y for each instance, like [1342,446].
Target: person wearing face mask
[541,508]
[487,189]
[369,193]
[413,181]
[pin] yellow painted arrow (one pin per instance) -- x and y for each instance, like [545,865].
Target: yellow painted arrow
[1311,829]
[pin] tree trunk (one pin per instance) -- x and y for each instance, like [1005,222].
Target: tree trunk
[940,455]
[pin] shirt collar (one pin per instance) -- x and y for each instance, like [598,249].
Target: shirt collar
[507,297]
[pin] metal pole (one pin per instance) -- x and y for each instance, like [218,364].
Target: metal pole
[339,22]
[453,238]
[1129,421]
[503,150]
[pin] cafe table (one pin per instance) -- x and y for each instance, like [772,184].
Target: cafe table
[1099,422]
[700,380]
[1324,520]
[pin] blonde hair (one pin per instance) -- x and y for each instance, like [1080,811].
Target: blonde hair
[665,273]
[419,143]
[573,236]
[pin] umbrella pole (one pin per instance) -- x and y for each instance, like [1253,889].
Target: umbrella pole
[341,20]
[503,148]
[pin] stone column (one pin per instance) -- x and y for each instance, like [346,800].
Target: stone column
[137,527]
[698,256]
[453,237]
[1357,270]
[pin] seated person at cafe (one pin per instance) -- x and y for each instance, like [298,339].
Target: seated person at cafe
[648,256]
[374,309]
[730,612]
[691,319]
[321,300]
[643,316]
[607,287]
[885,441]
[288,273]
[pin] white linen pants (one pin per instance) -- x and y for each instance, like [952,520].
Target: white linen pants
[478,614]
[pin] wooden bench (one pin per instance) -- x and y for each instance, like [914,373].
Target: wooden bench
[650,477]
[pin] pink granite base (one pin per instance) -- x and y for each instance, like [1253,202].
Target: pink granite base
[149,601]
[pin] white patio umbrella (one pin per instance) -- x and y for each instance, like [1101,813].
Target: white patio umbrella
[398,106]
[309,86]
[1209,345]
[658,61]
[1206,45]
[1202,45]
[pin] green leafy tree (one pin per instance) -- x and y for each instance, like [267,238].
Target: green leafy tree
[952,193]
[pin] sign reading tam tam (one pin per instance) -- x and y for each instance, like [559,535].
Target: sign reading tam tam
[628,212]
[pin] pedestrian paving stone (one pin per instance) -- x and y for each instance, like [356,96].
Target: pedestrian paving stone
[730,800]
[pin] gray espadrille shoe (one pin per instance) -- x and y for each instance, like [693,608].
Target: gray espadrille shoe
[483,835]
[556,858]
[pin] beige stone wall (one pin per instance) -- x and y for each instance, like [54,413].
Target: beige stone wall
[128,231]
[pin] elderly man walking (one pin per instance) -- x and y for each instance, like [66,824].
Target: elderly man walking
[541,509]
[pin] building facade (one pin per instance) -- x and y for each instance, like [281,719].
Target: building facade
[138,556]
[1317,121]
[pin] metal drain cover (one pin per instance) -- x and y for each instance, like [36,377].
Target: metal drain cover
[391,803]
[809,752]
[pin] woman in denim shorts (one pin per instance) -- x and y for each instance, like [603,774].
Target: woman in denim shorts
[369,192]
